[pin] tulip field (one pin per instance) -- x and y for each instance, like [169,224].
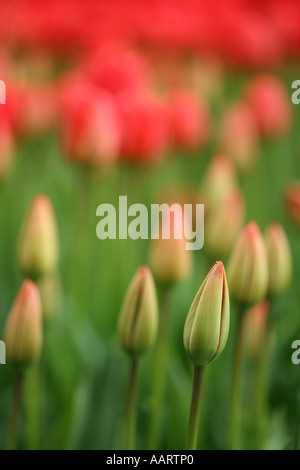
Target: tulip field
[112,338]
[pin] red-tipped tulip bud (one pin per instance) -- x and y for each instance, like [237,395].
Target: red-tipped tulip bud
[138,321]
[23,334]
[248,266]
[38,246]
[169,259]
[224,223]
[219,179]
[279,259]
[292,201]
[256,320]
[51,295]
[207,324]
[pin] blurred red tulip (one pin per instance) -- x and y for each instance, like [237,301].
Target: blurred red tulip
[239,135]
[117,69]
[7,142]
[190,120]
[90,128]
[270,102]
[144,127]
[292,201]
[40,109]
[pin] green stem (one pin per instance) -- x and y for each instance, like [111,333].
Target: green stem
[261,385]
[32,406]
[159,371]
[130,431]
[236,383]
[192,432]
[12,435]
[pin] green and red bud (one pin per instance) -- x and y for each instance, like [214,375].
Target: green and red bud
[224,223]
[169,259]
[38,245]
[207,324]
[292,201]
[23,333]
[219,179]
[248,266]
[279,258]
[256,320]
[138,321]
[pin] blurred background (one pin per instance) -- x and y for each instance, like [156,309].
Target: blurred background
[160,101]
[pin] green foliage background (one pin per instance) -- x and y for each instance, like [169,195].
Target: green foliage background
[77,401]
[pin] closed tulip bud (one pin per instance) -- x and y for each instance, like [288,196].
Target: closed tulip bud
[51,295]
[248,266]
[279,259]
[169,259]
[23,334]
[219,179]
[224,223]
[38,246]
[207,324]
[138,319]
[256,320]
[292,201]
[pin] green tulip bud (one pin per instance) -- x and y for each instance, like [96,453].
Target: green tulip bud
[23,333]
[207,324]
[138,321]
[248,267]
[38,244]
[279,258]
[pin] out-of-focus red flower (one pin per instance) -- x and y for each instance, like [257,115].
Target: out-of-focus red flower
[271,104]
[15,103]
[239,135]
[7,142]
[189,120]
[292,201]
[117,69]
[144,127]
[90,129]
[40,108]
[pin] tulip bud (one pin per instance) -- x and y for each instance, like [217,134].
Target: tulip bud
[224,223]
[292,200]
[23,331]
[138,320]
[51,296]
[38,246]
[256,320]
[169,259]
[207,324]
[219,179]
[279,258]
[248,266]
